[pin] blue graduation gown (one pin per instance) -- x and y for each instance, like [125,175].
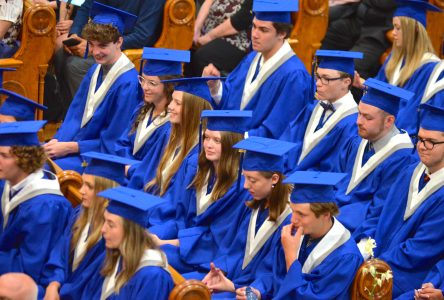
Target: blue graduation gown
[363,203]
[435,276]
[200,236]
[105,127]
[150,282]
[330,278]
[410,240]
[241,267]
[153,146]
[59,268]
[326,143]
[166,211]
[276,102]
[407,117]
[31,232]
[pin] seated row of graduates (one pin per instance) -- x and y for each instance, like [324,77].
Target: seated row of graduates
[332,145]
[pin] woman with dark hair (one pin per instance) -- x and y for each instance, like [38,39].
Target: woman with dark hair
[134,267]
[255,231]
[149,127]
[81,252]
[213,196]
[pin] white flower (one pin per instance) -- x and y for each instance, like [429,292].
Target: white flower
[370,244]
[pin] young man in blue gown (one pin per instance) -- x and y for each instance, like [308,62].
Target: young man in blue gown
[271,81]
[107,96]
[408,234]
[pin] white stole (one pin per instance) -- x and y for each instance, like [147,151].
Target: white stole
[81,245]
[122,65]
[144,132]
[256,241]
[267,69]
[397,142]
[335,237]
[426,58]
[313,137]
[415,197]
[202,199]
[38,186]
[433,85]
[150,258]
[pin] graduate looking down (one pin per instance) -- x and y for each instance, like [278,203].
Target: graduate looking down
[81,251]
[407,233]
[134,268]
[318,254]
[255,229]
[271,81]
[34,212]
[107,96]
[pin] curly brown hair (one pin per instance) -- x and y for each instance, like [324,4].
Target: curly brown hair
[103,33]
[29,158]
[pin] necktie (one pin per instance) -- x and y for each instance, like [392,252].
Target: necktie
[256,71]
[423,181]
[326,106]
[369,151]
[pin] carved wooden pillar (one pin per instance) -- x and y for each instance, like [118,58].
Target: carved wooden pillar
[435,27]
[306,39]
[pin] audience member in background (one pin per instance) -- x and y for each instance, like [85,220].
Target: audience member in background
[361,27]
[34,212]
[134,267]
[221,25]
[408,235]
[412,59]
[18,108]
[81,251]
[375,157]
[70,64]
[10,26]
[108,94]
[324,127]
[17,286]
[147,133]
[271,81]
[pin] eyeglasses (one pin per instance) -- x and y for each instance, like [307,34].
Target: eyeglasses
[428,144]
[324,80]
[149,83]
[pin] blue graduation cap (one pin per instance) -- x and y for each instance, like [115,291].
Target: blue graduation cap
[432,117]
[161,62]
[108,15]
[313,187]
[415,9]
[228,120]
[1,74]
[278,11]
[107,165]
[19,106]
[384,95]
[264,154]
[196,86]
[338,60]
[20,133]
[130,204]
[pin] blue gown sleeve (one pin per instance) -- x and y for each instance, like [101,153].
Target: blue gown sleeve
[327,281]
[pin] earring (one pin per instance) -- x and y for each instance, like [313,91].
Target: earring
[273,185]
